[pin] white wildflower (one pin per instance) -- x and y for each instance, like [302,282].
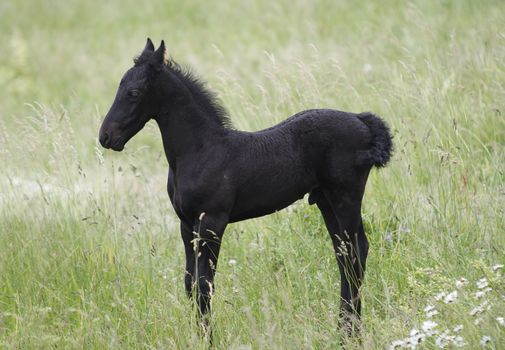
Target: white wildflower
[458,328]
[415,338]
[485,339]
[451,297]
[429,308]
[458,341]
[461,282]
[413,332]
[420,338]
[232,262]
[430,311]
[441,342]
[497,267]
[440,296]
[397,344]
[443,339]
[428,327]
[486,305]
[480,308]
[501,321]
[477,321]
[482,283]
[481,293]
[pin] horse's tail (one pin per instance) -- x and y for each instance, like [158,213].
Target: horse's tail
[381,145]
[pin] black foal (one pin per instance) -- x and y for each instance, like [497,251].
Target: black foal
[219,175]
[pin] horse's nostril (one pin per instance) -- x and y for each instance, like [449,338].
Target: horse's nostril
[104,138]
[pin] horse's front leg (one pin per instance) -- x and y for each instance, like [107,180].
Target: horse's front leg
[208,231]
[189,274]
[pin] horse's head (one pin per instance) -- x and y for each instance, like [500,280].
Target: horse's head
[135,101]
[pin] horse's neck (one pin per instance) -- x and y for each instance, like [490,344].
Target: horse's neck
[185,129]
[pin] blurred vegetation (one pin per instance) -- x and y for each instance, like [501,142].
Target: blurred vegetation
[91,253]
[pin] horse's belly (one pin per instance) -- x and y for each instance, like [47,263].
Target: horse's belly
[259,203]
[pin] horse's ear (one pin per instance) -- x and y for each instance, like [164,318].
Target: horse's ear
[149,45]
[159,54]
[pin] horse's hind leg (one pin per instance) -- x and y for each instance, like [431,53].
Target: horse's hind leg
[341,211]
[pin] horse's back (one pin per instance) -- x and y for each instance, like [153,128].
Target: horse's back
[324,125]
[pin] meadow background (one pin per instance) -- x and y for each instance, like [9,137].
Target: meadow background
[90,254]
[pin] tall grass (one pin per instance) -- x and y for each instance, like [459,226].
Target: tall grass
[90,252]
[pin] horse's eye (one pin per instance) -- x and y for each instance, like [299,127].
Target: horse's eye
[134,93]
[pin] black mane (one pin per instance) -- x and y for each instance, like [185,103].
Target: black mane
[204,97]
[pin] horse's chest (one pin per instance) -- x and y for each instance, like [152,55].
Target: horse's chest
[191,197]
[177,201]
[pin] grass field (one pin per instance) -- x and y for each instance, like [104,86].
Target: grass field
[90,254]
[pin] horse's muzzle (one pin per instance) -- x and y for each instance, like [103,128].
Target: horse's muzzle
[104,139]
[107,142]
